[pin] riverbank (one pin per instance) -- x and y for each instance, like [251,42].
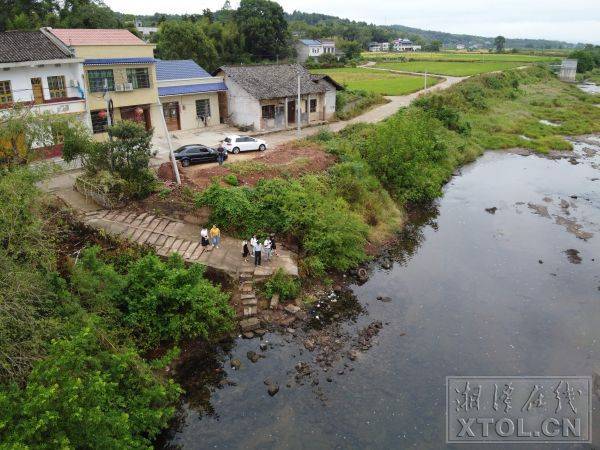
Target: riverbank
[371,359]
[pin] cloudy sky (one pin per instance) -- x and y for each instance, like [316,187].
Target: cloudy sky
[572,20]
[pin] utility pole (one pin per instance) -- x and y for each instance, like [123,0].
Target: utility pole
[299,118]
[107,98]
[171,154]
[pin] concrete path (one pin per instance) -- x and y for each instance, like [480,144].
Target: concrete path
[169,236]
[374,115]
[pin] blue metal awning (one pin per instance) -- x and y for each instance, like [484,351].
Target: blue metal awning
[113,61]
[191,89]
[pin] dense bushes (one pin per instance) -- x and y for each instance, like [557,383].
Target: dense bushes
[587,58]
[74,321]
[157,301]
[87,393]
[287,286]
[330,234]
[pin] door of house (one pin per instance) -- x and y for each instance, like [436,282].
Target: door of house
[291,111]
[223,112]
[38,90]
[171,113]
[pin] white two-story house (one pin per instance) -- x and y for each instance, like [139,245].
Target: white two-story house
[39,72]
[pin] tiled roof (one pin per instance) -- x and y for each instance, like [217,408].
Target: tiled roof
[21,46]
[272,80]
[191,89]
[310,42]
[179,70]
[77,36]
[111,61]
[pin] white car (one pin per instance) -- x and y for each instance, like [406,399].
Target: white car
[236,144]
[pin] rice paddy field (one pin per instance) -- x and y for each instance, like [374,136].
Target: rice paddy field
[377,81]
[452,68]
[456,56]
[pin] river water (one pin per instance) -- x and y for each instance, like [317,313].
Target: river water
[511,291]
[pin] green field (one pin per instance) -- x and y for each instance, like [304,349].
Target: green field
[456,56]
[377,81]
[457,69]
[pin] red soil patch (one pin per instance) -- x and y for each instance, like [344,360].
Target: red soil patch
[288,159]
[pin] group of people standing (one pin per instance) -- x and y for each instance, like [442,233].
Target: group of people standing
[214,234]
[256,248]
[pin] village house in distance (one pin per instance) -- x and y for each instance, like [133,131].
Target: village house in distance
[39,71]
[312,48]
[263,97]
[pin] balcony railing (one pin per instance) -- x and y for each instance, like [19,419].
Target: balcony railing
[31,98]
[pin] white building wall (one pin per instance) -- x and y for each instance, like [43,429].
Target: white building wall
[243,108]
[20,79]
[330,97]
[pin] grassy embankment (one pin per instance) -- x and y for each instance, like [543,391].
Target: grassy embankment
[404,160]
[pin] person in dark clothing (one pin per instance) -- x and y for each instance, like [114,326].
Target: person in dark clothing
[245,250]
[257,253]
[220,155]
[273,245]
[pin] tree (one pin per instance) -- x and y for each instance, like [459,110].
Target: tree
[88,393]
[351,49]
[23,132]
[499,43]
[433,46]
[186,40]
[264,29]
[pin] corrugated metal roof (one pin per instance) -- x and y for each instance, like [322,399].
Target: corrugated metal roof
[191,89]
[179,70]
[310,42]
[111,61]
[103,36]
[21,46]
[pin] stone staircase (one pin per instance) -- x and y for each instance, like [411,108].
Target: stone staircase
[247,294]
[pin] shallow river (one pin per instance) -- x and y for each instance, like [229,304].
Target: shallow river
[473,293]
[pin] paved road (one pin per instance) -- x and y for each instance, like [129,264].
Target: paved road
[373,115]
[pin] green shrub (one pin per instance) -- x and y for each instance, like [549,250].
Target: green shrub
[231,180]
[87,393]
[164,193]
[157,301]
[287,286]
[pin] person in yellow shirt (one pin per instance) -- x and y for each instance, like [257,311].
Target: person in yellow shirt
[215,236]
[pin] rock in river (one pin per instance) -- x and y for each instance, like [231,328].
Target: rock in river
[273,389]
[253,356]
[236,363]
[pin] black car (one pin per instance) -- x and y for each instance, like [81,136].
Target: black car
[196,153]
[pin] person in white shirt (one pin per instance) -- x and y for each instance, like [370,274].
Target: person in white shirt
[253,242]
[204,236]
[267,247]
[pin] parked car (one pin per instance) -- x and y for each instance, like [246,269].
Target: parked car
[236,144]
[195,153]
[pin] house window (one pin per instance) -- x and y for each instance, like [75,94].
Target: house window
[138,77]
[96,80]
[99,121]
[313,105]
[57,87]
[268,112]
[203,108]
[5,92]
